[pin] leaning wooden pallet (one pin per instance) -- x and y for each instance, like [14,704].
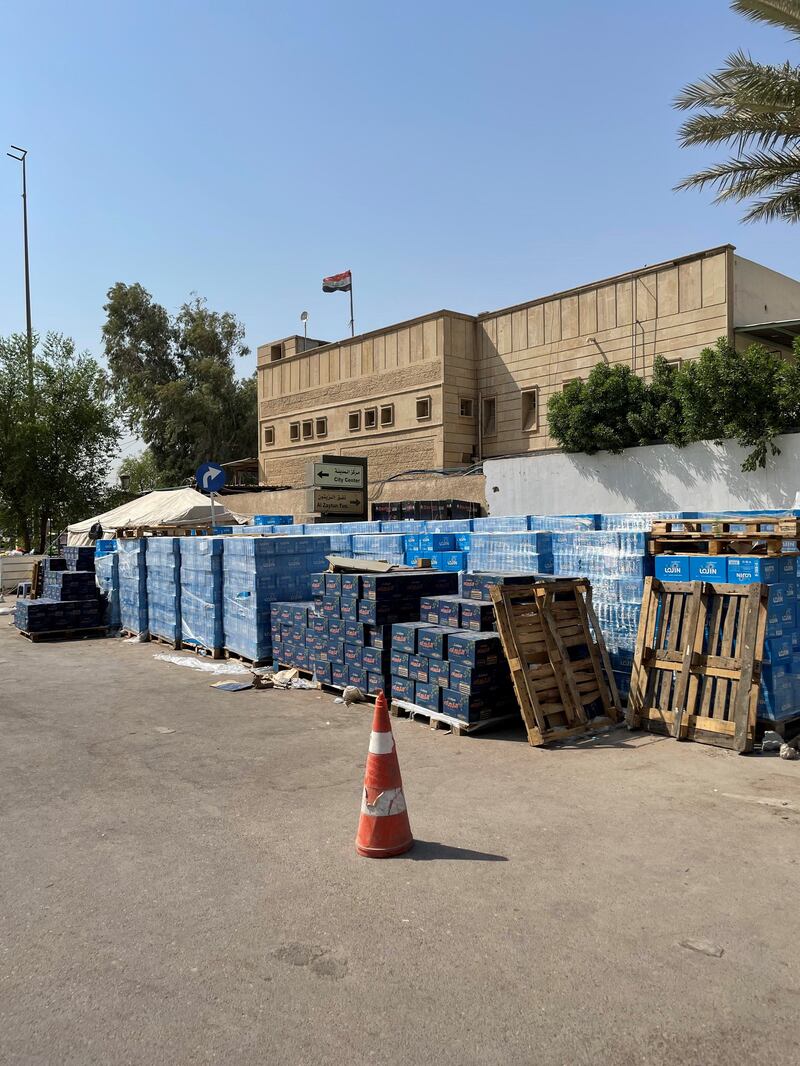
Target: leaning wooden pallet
[717,544]
[742,525]
[697,663]
[559,664]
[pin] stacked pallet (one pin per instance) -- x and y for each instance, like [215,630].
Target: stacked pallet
[164,589]
[106,572]
[201,594]
[258,573]
[344,633]
[133,585]
[69,597]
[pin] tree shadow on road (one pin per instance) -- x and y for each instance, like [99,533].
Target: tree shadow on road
[425,850]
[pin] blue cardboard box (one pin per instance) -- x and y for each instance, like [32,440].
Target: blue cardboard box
[429,609]
[357,675]
[435,542]
[317,585]
[319,624]
[333,583]
[339,674]
[352,654]
[404,635]
[402,688]
[466,678]
[378,637]
[463,541]
[375,661]
[378,683]
[672,567]
[336,627]
[450,611]
[398,663]
[418,668]
[322,670]
[428,696]
[354,632]
[473,648]
[747,569]
[439,672]
[451,562]
[781,620]
[780,594]
[432,641]
[708,568]
[478,616]
[778,650]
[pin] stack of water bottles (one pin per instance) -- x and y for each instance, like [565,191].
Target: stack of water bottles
[133,586]
[164,588]
[201,592]
[257,571]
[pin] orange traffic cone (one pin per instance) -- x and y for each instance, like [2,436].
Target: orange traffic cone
[383,828]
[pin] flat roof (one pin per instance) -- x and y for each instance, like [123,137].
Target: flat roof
[774,332]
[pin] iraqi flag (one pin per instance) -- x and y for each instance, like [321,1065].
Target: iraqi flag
[338,282]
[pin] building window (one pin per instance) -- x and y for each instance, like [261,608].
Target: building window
[569,381]
[489,416]
[530,409]
[387,414]
[370,417]
[269,436]
[294,431]
[465,407]
[423,408]
[322,427]
[308,429]
[276,353]
[354,421]
[675,364]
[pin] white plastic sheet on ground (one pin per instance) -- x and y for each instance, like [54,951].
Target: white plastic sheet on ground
[207,666]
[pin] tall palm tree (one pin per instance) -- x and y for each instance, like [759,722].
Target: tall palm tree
[755,109]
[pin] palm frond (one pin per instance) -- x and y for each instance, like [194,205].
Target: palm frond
[785,14]
[748,175]
[740,129]
[784,205]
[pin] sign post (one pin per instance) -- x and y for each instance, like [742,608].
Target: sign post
[210,477]
[337,486]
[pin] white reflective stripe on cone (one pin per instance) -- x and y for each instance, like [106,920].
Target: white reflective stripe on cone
[381,743]
[391,801]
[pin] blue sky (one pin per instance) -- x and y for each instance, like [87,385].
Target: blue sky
[454,155]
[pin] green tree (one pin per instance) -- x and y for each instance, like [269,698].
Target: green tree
[175,380]
[660,417]
[742,396]
[595,414]
[54,456]
[754,108]
[142,471]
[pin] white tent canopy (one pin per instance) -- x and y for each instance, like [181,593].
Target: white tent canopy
[167,507]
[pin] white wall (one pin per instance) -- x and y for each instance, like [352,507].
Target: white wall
[701,477]
[762,295]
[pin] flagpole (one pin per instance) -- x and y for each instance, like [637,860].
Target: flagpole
[352,319]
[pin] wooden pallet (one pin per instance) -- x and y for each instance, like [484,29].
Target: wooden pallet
[202,529]
[404,709]
[244,659]
[712,544]
[156,638]
[697,662]
[138,636]
[65,634]
[558,660]
[201,649]
[786,728]
[755,526]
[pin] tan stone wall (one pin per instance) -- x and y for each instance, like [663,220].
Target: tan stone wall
[674,311]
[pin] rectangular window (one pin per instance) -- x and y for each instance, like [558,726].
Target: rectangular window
[387,414]
[569,382]
[276,353]
[308,429]
[489,416]
[465,407]
[423,408]
[269,436]
[530,409]
[370,417]
[354,421]
[322,427]
[294,431]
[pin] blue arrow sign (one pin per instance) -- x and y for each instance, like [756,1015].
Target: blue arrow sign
[210,477]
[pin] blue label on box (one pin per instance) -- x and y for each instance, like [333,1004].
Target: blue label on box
[708,568]
[778,650]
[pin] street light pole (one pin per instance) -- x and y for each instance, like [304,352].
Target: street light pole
[21,159]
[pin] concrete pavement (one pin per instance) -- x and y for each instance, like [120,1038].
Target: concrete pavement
[178,884]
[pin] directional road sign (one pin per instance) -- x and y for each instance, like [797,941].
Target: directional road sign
[338,476]
[336,501]
[210,477]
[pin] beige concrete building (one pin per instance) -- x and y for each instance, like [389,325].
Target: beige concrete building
[447,389]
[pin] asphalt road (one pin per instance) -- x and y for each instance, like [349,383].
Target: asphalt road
[178,884]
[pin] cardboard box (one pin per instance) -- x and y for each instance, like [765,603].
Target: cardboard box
[429,609]
[478,616]
[778,650]
[339,674]
[439,672]
[402,688]
[357,675]
[354,632]
[398,663]
[336,627]
[322,670]
[432,641]
[418,668]
[319,624]
[428,696]
[404,635]
[378,683]
[333,583]
[352,654]
[708,568]
[378,637]
[450,608]
[672,567]
[748,569]
[473,648]
[375,660]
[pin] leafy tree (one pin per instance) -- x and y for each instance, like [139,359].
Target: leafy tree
[755,109]
[142,471]
[741,396]
[175,379]
[54,448]
[595,414]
